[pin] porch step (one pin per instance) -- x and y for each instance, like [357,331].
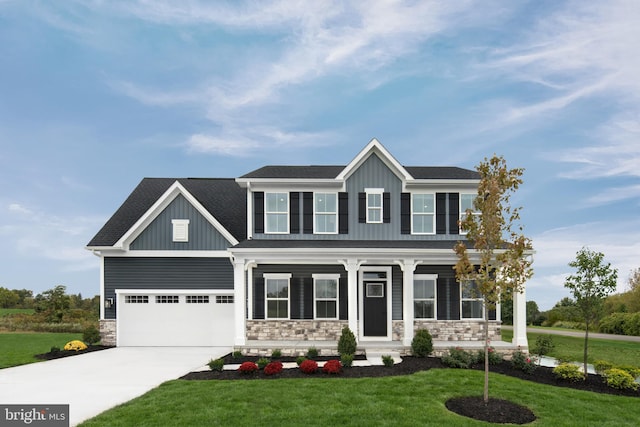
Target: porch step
[375,356]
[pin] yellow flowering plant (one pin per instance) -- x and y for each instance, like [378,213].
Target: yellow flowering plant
[75,345]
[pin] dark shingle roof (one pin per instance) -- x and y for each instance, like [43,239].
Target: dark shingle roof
[330,172]
[223,198]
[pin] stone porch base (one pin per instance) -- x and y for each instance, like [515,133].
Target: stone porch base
[108,331]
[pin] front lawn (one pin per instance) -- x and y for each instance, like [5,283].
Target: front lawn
[410,400]
[20,348]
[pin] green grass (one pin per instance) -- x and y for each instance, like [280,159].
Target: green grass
[616,352]
[411,400]
[20,348]
[8,311]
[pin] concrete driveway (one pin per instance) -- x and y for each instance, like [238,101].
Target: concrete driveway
[94,382]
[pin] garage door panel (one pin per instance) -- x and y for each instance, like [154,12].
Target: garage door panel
[144,320]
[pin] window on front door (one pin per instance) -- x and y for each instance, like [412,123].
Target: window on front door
[276,213]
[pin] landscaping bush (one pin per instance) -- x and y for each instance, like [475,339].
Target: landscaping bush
[216,365]
[564,358]
[237,354]
[300,359]
[54,349]
[387,361]
[91,335]
[332,367]
[617,378]
[494,357]
[347,342]
[569,372]
[248,368]
[631,370]
[262,362]
[458,358]
[347,360]
[521,361]
[601,366]
[312,353]
[273,368]
[544,345]
[309,366]
[75,345]
[422,343]
[276,353]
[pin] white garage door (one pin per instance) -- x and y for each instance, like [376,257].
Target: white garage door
[166,318]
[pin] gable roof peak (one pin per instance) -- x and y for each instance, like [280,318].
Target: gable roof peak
[375,147]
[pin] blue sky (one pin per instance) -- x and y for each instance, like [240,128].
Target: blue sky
[96,95]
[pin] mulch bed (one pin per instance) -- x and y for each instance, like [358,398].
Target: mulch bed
[496,411]
[66,353]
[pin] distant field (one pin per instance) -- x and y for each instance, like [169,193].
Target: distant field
[7,311]
[20,348]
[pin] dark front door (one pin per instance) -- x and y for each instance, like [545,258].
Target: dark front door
[375,309]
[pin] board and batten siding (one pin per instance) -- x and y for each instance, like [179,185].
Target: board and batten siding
[165,273]
[159,234]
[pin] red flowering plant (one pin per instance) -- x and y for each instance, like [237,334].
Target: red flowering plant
[332,367]
[273,368]
[248,368]
[309,366]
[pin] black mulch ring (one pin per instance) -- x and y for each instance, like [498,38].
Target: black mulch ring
[495,411]
[66,353]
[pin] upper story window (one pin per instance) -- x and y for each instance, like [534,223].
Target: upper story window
[325,213]
[326,295]
[423,212]
[374,205]
[471,301]
[277,295]
[466,203]
[424,296]
[276,212]
[180,230]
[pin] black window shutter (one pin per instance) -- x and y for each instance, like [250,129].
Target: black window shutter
[405,213]
[307,298]
[294,212]
[386,207]
[295,295]
[442,299]
[362,207]
[307,212]
[343,293]
[343,213]
[454,301]
[258,298]
[258,212]
[454,213]
[441,213]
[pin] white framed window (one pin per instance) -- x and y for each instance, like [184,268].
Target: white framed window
[423,213]
[325,291]
[224,299]
[277,295]
[197,299]
[325,206]
[471,303]
[374,205]
[276,212]
[180,230]
[466,203]
[424,296]
[167,299]
[375,290]
[136,299]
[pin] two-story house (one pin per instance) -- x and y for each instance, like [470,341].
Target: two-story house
[286,256]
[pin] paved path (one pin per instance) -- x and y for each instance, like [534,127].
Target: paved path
[577,333]
[94,382]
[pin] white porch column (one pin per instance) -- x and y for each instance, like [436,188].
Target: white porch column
[408,266]
[239,301]
[520,320]
[352,274]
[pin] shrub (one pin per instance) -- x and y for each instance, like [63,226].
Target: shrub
[312,353]
[458,358]
[276,353]
[569,372]
[262,362]
[621,324]
[300,359]
[564,358]
[631,370]
[216,365]
[248,368]
[75,345]
[601,366]
[273,368]
[544,345]
[494,357]
[422,344]
[347,342]
[332,367]
[387,361]
[347,360]
[91,335]
[237,354]
[309,366]
[521,361]
[617,378]
[54,349]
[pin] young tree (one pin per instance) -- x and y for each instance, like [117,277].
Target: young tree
[590,285]
[495,261]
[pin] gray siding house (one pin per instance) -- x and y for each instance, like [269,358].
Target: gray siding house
[286,256]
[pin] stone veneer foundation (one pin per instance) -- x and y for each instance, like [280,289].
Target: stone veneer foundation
[108,332]
[459,330]
[299,330]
